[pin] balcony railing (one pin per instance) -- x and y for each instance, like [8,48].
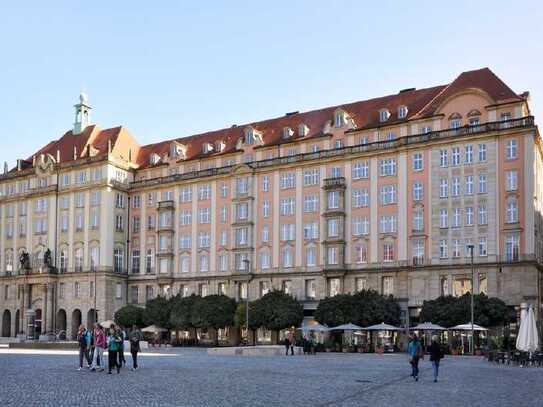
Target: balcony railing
[165,205]
[336,182]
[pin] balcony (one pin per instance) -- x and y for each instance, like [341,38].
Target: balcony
[334,183]
[165,205]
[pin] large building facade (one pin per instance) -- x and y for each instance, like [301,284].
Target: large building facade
[394,193]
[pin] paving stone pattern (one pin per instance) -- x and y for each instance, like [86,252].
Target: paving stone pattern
[190,377]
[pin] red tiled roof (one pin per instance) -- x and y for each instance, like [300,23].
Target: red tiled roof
[421,103]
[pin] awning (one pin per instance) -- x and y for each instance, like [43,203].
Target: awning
[382,327]
[153,329]
[467,327]
[428,326]
[346,327]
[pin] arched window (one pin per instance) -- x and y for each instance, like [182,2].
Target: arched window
[78,259]
[94,257]
[63,260]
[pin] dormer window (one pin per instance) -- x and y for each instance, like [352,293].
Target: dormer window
[384,114]
[455,121]
[287,132]
[154,159]
[402,112]
[474,117]
[249,137]
[219,145]
[339,119]
[207,148]
[302,130]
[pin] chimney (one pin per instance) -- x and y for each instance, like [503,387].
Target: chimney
[33,161]
[5,167]
[75,153]
[58,156]
[109,146]
[130,155]
[18,165]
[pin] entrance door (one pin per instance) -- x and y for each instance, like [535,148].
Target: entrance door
[37,324]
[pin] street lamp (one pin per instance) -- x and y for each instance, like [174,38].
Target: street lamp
[248,271]
[471,247]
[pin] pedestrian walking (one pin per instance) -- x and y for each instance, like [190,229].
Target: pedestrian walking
[113,346]
[99,346]
[436,354]
[135,337]
[287,346]
[415,354]
[82,342]
[120,332]
[291,343]
[90,345]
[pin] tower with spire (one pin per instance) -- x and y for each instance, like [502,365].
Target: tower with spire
[82,114]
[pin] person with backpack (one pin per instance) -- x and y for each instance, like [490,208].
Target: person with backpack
[135,337]
[82,342]
[436,354]
[415,354]
[113,347]
[99,346]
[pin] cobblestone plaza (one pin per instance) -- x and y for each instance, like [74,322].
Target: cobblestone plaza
[190,377]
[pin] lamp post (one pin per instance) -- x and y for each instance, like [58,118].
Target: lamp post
[248,271]
[471,247]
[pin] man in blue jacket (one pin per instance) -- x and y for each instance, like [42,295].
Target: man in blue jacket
[415,354]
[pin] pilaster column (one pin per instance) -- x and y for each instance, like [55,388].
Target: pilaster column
[45,311]
[50,316]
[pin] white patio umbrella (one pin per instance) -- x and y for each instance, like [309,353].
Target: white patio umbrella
[153,329]
[528,338]
[381,327]
[346,327]
[428,326]
[467,327]
[107,324]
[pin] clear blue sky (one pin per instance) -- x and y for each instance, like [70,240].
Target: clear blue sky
[170,70]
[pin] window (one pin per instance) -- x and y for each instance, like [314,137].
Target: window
[455,123]
[79,200]
[265,209]
[265,259]
[333,227]
[118,291]
[384,115]
[77,290]
[223,238]
[443,158]
[469,185]
[456,156]
[242,235]
[288,232]
[335,172]
[388,251]
[223,215]
[79,222]
[204,263]
[119,223]
[388,285]
[462,285]
[204,192]
[185,264]
[204,215]
[332,255]
[333,200]
[360,170]
[512,243]
[418,220]
[468,159]
[443,249]
[64,223]
[334,287]
[135,261]
[311,177]
[287,206]
[78,257]
[185,194]
[203,240]
[402,112]
[288,180]
[223,262]
[265,183]
[165,219]
[469,216]
[265,234]
[361,253]
[339,119]
[457,213]
[361,198]
[242,186]
[482,152]
[151,198]
[418,252]
[456,186]
[417,162]
[387,167]
[136,201]
[482,183]
[388,194]
[511,180]
[482,246]
[456,248]
[94,257]
[417,191]
[224,190]
[467,246]
[119,201]
[310,256]
[311,231]
[149,292]
[287,257]
[134,294]
[443,218]
[474,121]
[311,203]
[96,198]
[63,260]
[118,257]
[443,188]
[388,223]
[185,241]
[361,226]
[310,289]
[511,148]
[512,211]
[185,217]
